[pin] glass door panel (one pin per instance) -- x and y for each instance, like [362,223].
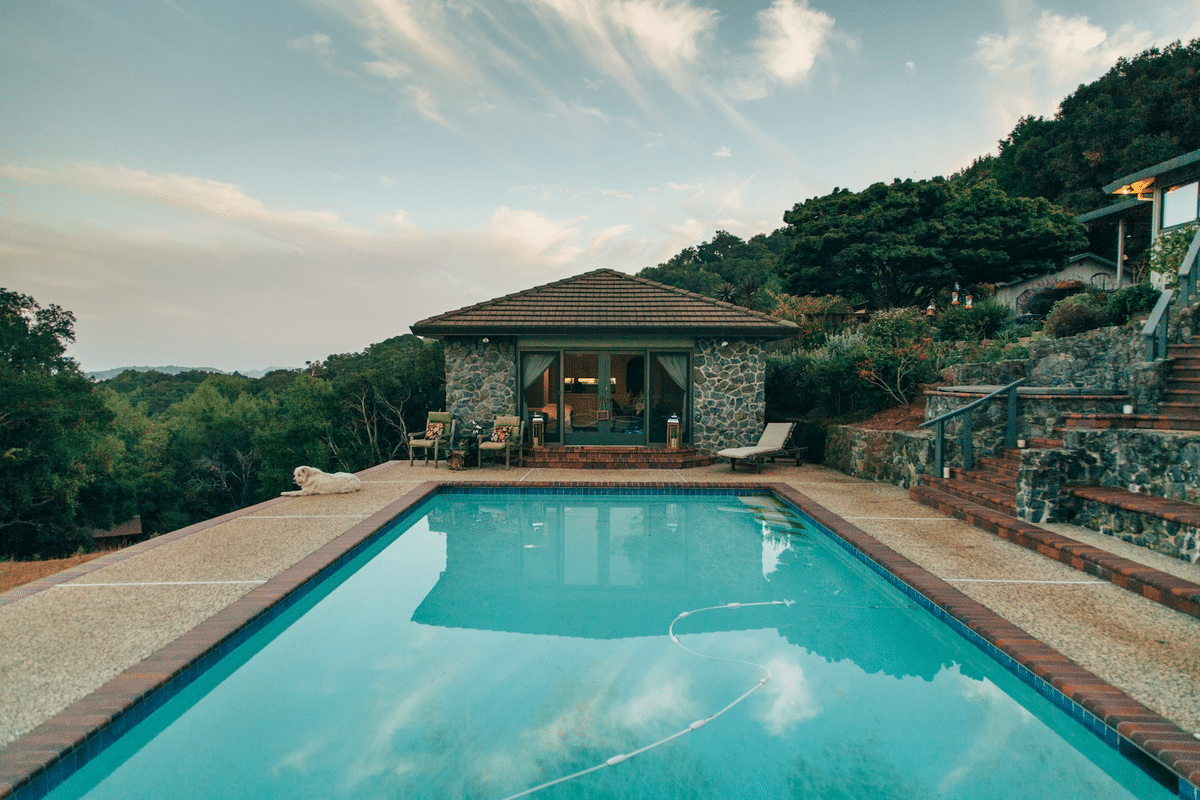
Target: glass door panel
[604,398]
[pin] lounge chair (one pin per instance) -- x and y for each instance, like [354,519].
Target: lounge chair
[772,444]
[506,436]
[437,436]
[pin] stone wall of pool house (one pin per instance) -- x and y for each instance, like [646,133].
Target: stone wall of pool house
[729,401]
[481,380]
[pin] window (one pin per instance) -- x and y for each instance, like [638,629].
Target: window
[1180,204]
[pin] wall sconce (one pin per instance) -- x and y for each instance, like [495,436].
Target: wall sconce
[673,433]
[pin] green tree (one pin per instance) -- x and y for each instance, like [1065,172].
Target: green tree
[1145,110]
[53,429]
[900,244]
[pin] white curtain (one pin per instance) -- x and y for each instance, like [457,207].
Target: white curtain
[675,365]
[535,365]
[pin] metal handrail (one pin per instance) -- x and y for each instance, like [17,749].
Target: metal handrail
[1155,329]
[968,446]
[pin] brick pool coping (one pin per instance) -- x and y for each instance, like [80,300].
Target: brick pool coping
[37,762]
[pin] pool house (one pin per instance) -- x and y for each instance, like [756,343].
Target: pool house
[607,359]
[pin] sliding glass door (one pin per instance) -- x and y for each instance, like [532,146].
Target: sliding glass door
[606,397]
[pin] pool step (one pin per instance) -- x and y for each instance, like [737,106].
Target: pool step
[1172,592]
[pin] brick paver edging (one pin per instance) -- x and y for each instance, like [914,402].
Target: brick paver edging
[34,764]
[1173,592]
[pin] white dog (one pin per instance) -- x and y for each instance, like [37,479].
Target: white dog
[313,481]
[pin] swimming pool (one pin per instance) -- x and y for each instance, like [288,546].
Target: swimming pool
[497,641]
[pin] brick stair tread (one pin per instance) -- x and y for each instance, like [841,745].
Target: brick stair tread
[992,498]
[1150,505]
[1169,590]
[996,481]
[1042,443]
[1007,465]
[1142,421]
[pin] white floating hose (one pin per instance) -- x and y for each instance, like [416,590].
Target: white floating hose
[695,726]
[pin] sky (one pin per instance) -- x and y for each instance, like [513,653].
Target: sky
[235,185]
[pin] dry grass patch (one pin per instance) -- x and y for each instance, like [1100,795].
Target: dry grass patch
[19,573]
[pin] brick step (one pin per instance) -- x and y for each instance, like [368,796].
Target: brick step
[1174,407]
[1188,392]
[994,499]
[1145,504]
[1176,593]
[1191,379]
[615,458]
[1165,422]
[1042,443]
[1005,465]
[986,479]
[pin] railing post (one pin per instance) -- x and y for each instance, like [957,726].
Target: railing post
[967,443]
[1162,335]
[1010,435]
[939,444]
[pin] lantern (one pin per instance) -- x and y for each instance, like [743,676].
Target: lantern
[673,432]
[538,432]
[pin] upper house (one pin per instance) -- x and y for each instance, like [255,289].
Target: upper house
[1156,199]
[606,359]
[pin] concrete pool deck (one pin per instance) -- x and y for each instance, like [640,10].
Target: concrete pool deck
[91,627]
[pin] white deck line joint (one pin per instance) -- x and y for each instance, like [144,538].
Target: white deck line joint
[160,583]
[1007,580]
[914,519]
[304,516]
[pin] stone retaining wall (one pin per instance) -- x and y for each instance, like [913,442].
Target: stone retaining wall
[1106,360]
[898,457]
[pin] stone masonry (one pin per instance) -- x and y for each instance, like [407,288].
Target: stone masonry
[730,404]
[481,380]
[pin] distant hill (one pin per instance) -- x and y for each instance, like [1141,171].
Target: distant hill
[107,374]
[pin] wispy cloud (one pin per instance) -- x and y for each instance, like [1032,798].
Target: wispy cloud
[793,35]
[253,271]
[317,43]
[1044,56]
[724,152]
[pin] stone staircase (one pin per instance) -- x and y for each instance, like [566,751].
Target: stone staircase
[615,458]
[986,498]
[1179,409]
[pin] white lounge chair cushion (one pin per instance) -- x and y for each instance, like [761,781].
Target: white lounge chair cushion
[773,438]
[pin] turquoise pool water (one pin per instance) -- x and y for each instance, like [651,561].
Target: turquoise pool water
[497,642]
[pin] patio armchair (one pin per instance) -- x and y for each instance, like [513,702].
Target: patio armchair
[772,444]
[437,436]
[506,436]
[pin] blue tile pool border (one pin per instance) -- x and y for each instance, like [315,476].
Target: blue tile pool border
[39,761]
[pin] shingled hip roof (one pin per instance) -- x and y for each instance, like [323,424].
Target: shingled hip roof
[605,301]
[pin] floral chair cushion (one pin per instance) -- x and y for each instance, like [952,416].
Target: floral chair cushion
[433,430]
[501,433]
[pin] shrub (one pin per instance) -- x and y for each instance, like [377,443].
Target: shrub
[1074,315]
[1129,302]
[816,317]
[982,321]
[1042,301]
[1169,250]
